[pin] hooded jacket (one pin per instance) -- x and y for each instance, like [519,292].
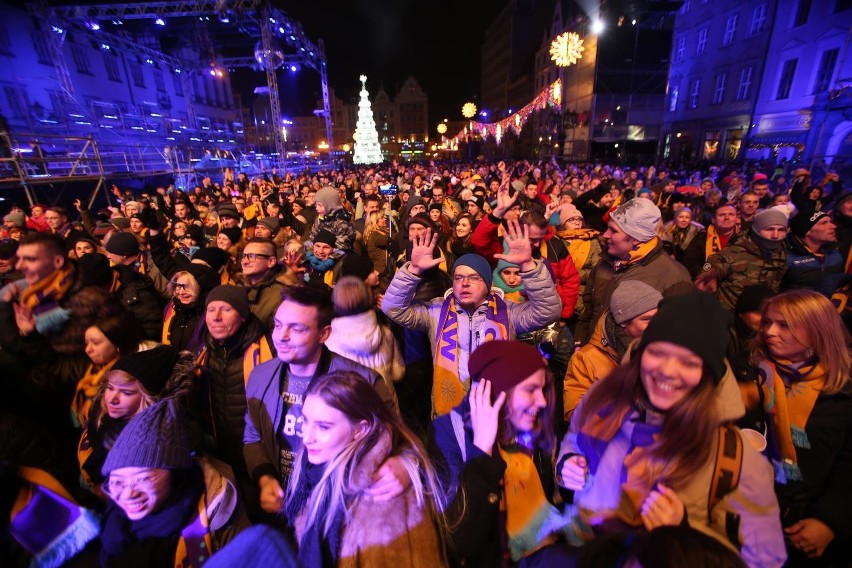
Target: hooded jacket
[589,364]
[749,514]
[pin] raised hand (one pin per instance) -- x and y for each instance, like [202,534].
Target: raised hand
[421,253]
[504,201]
[484,416]
[517,241]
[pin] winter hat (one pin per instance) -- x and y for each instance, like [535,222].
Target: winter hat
[356,265]
[568,212]
[768,217]
[330,199]
[8,248]
[228,210]
[154,438]
[801,223]
[195,232]
[271,223]
[479,200]
[120,223]
[644,191]
[752,297]
[518,186]
[300,202]
[499,282]
[152,367]
[758,177]
[677,322]
[478,264]
[505,363]
[638,218]
[123,244]
[421,219]
[139,217]
[632,298]
[234,234]
[16,218]
[81,236]
[95,270]
[215,257]
[233,295]
[437,206]
[325,236]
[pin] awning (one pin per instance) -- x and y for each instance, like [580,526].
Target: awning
[782,138]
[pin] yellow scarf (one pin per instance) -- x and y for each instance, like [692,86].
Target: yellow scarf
[638,254]
[579,244]
[48,290]
[447,388]
[87,389]
[532,522]
[787,411]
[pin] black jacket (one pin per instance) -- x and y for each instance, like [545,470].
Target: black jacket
[137,293]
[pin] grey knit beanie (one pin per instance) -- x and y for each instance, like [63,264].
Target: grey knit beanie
[154,438]
[329,198]
[632,298]
[638,218]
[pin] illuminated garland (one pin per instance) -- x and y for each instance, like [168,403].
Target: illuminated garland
[549,96]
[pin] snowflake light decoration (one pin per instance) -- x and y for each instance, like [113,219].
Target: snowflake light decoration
[469,110]
[566,49]
[442,128]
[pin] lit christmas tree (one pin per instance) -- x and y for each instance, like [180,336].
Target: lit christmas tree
[367,149]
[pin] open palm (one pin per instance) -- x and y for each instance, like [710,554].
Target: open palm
[517,244]
[422,252]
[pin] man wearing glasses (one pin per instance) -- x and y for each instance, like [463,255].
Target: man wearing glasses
[264,279]
[458,322]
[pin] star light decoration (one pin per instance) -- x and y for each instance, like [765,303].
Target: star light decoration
[442,128]
[566,49]
[469,110]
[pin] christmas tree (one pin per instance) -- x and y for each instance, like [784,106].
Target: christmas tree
[367,149]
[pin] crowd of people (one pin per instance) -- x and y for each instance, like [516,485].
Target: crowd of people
[432,364]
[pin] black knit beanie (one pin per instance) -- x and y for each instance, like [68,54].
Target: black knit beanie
[234,234]
[234,295]
[215,257]
[676,322]
[152,367]
[155,438]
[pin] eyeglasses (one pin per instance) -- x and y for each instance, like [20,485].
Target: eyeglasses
[180,286]
[575,220]
[472,278]
[252,256]
[115,487]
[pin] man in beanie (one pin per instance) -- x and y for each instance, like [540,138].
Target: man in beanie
[633,252]
[812,258]
[332,217]
[229,216]
[755,256]
[156,491]
[452,335]
[234,343]
[267,228]
[631,307]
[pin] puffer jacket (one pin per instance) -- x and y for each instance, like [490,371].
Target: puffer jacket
[806,270]
[741,264]
[361,338]
[749,514]
[338,224]
[223,386]
[542,308]
[589,364]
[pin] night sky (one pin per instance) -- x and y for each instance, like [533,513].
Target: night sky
[438,43]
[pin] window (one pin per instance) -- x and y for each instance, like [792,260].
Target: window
[719,91]
[758,19]
[177,83]
[673,99]
[159,82]
[17,99]
[681,45]
[730,30]
[81,59]
[41,48]
[802,12]
[702,40]
[786,82]
[745,84]
[694,90]
[136,73]
[111,65]
[57,102]
[826,70]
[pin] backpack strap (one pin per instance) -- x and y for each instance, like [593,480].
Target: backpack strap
[728,467]
[458,428]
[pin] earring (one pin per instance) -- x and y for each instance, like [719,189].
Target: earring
[809,352]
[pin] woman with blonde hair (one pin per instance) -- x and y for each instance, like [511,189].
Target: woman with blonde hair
[376,237]
[347,433]
[804,365]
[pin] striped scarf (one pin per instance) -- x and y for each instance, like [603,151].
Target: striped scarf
[87,390]
[636,255]
[447,388]
[789,396]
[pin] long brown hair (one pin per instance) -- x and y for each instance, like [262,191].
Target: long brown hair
[545,427]
[815,323]
[689,433]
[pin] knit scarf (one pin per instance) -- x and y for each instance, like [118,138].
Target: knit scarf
[579,244]
[789,396]
[319,265]
[532,522]
[636,255]
[315,550]
[87,389]
[447,388]
[715,242]
[44,296]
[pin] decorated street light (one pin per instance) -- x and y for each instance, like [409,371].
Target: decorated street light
[442,128]
[469,110]
[566,49]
